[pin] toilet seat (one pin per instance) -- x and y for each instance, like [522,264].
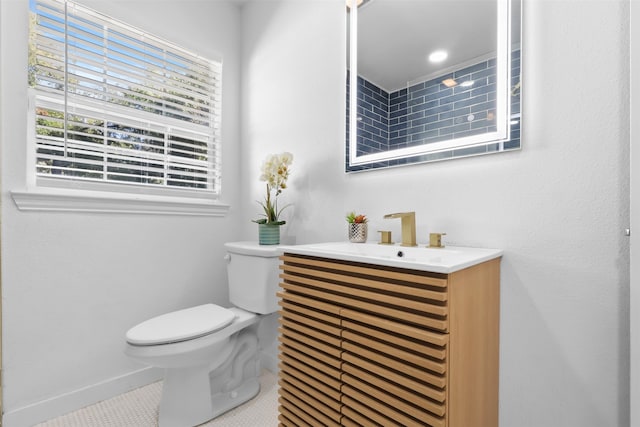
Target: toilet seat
[181,325]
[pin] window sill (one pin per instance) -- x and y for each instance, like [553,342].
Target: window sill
[59,200]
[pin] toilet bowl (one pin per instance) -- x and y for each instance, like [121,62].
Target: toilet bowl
[210,354]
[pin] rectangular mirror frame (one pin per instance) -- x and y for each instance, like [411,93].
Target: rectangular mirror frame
[490,142]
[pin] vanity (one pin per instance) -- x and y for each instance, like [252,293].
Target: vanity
[386,335]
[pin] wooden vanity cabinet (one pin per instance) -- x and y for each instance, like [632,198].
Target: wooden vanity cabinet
[368,345]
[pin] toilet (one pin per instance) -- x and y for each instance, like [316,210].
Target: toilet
[210,354]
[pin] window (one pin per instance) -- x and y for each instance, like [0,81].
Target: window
[115,108]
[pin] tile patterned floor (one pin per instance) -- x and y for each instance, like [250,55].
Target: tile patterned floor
[139,408]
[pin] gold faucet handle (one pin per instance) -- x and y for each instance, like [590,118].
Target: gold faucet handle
[385,237]
[435,240]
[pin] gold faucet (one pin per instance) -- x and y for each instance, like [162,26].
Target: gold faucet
[408,227]
[435,240]
[385,237]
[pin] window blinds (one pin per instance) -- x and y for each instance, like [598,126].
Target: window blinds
[118,105]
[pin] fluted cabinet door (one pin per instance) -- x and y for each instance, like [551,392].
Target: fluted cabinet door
[365,345]
[310,365]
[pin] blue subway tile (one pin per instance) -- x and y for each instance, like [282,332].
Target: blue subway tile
[399,106]
[415,130]
[427,106]
[487,106]
[458,112]
[440,124]
[422,92]
[396,98]
[397,141]
[415,116]
[424,120]
[479,124]
[482,90]
[433,112]
[416,101]
[399,127]
[481,66]
[371,86]
[415,87]
[453,129]
[481,99]
[454,98]
[380,111]
[487,72]
[401,92]
[435,88]
[424,135]
[398,113]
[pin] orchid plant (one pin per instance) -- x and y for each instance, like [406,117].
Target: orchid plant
[275,172]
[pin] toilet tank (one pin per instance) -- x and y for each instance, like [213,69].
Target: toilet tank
[253,275]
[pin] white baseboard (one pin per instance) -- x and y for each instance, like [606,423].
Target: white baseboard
[68,402]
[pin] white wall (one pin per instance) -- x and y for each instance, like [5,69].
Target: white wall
[293,100]
[74,283]
[634,158]
[558,207]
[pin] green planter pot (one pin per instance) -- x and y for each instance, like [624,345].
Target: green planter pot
[268,234]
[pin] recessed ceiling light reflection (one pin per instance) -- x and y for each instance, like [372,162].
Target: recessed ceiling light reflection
[438,56]
[449,82]
[467,83]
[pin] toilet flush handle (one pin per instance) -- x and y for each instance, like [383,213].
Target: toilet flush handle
[227,258]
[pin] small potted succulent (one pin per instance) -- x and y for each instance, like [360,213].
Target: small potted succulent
[357,227]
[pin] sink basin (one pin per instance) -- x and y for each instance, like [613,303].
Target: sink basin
[437,260]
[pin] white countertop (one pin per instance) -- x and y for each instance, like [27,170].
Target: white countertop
[438,260]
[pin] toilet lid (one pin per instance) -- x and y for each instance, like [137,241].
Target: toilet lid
[181,325]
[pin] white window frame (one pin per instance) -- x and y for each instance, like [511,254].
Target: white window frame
[50,193]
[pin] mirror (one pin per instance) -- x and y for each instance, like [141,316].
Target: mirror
[414,108]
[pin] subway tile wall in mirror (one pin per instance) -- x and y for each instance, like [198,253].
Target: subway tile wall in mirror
[412,109]
[430,111]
